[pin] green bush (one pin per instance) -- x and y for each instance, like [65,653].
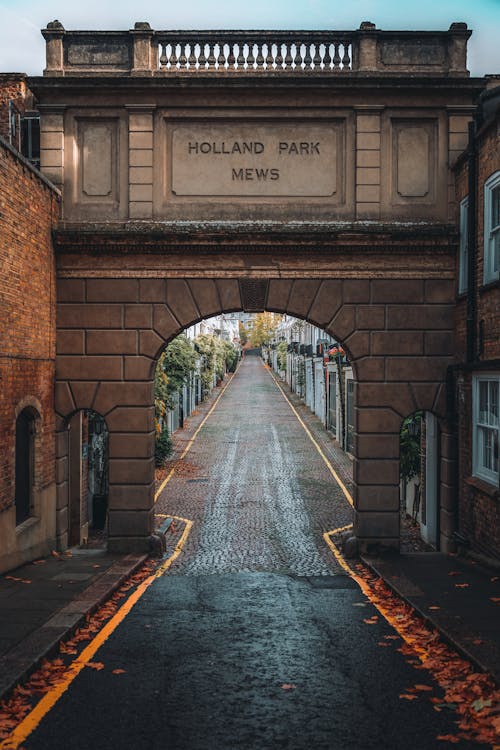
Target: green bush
[163,447]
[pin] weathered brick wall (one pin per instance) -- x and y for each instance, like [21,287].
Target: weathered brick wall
[28,210]
[479,503]
[13,88]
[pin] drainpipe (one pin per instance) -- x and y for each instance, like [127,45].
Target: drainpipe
[471,348]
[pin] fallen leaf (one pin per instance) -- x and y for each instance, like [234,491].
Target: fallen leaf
[288,686]
[408,697]
[118,671]
[453,573]
[423,687]
[18,580]
[479,704]
[495,578]
[54,553]
[97,665]
[448,738]
[477,641]
[461,585]
[96,566]
[495,599]
[434,606]
[38,562]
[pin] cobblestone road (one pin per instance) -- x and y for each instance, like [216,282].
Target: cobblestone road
[259,493]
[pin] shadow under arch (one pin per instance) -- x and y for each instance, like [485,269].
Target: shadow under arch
[87,477]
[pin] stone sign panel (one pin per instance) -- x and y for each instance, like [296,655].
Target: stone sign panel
[270,160]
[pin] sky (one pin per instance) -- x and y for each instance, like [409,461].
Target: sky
[22,48]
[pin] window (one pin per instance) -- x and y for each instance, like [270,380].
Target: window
[25,464]
[463,251]
[491,227]
[486,427]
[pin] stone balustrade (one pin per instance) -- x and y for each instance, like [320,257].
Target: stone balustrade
[143,51]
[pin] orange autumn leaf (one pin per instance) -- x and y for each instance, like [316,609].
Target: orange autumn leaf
[97,665]
[434,606]
[423,687]
[288,686]
[461,585]
[448,738]
[495,599]
[408,697]
[118,671]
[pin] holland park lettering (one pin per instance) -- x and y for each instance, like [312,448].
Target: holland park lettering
[244,174]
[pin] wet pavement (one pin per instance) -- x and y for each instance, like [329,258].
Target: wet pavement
[254,639]
[259,493]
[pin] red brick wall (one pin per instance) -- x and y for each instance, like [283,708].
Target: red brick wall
[13,88]
[28,209]
[479,507]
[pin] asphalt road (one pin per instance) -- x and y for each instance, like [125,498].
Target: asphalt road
[254,639]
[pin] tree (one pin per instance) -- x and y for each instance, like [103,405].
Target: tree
[243,333]
[264,328]
[409,452]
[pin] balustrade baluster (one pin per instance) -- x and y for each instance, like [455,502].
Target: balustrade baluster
[317,56]
[346,60]
[250,57]
[211,56]
[327,59]
[192,56]
[336,56]
[288,56]
[307,57]
[173,56]
[269,56]
[163,56]
[231,60]
[221,58]
[298,55]
[260,56]
[182,56]
[241,57]
[279,56]
[202,58]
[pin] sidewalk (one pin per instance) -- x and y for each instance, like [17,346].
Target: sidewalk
[44,601]
[455,595]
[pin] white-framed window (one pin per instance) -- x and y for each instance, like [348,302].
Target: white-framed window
[463,258]
[486,427]
[491,227]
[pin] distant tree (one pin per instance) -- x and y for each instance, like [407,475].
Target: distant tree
[264,329]
[243,333]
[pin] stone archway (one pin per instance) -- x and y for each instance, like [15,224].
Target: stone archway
[397,333]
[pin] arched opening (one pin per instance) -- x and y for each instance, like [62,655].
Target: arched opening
[419,482]
[26,428]
[88,478]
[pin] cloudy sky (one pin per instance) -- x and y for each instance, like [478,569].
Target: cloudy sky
[22,47]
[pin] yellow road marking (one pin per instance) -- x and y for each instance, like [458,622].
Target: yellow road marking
[374,598]
[332,471]
[33,719]
[191,441]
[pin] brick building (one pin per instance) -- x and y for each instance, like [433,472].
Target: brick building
[477,374]
[29,207]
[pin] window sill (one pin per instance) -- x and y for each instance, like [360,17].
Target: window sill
[27,525]
[485,487]
[489,286]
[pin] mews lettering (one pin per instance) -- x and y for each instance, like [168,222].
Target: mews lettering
[261,175]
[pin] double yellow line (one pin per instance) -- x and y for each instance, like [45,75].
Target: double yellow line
[33,719]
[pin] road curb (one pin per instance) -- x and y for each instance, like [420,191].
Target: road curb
[27,655]
[434,621]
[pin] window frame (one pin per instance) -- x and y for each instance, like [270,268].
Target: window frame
[463,256]
[491,234]
[478,469]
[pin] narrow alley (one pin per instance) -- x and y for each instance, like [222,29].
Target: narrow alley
[254,638]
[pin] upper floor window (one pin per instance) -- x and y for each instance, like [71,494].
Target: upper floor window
[491,227]
[486,427]
[463,251]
